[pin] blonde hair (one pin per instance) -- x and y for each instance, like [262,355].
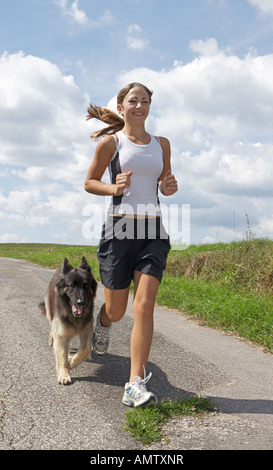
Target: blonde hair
[116,123]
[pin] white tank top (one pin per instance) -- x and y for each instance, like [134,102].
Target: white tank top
[146,163]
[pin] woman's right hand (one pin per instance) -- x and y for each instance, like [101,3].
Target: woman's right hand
[123,181]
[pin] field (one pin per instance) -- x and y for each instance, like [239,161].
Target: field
[228,286]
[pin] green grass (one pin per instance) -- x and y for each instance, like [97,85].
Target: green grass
[50,255]
[241,313]
[245,266]
[228,286]
[145,424]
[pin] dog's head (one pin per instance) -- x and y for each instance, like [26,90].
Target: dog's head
[78,285]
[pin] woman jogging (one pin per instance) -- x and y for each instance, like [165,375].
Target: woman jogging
[134,245]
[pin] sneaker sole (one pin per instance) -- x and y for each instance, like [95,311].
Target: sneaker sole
[99,353]
[151,401]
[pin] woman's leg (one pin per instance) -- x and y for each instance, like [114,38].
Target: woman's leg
[146,288]
[114,307]
[111,311]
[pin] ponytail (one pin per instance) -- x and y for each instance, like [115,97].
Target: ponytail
[116,123]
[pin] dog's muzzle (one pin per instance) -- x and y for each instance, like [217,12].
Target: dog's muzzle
[77,310]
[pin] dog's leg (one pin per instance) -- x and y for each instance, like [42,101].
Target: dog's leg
[84,349]
[61,347]
[50,339]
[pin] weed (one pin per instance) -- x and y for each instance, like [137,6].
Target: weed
[145,423]
[246,265]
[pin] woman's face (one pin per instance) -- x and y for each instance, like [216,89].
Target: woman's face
[136,105]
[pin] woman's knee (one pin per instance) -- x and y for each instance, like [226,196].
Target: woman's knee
[144,307]
[116,304]
[114,313]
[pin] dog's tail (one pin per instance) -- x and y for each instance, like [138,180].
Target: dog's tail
[42,308]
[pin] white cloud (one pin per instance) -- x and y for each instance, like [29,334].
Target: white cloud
[213,98]
[136,38]
[44,144]
[266,225]
[207,47]
[10,238]
[73,11]
[19,202]
[79,17]
[42,115]
[264,6]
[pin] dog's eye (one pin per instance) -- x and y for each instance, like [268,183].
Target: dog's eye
[74,284]
[85,286]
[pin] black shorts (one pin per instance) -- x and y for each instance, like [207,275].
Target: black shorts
[129,244]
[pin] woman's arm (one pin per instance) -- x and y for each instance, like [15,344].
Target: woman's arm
[105,151]
[167,182]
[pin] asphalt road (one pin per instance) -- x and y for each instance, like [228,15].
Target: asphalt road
[37,413]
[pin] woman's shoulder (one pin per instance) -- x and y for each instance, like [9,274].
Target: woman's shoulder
[165,143]
[106,149]
[108,142]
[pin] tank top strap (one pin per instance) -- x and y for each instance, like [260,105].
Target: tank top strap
[116,140]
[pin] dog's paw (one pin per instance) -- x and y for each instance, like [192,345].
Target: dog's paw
[64,379]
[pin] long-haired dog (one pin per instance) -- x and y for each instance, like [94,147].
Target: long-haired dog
[68,305]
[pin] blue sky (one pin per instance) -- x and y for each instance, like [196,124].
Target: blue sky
[97,48]
[210,64]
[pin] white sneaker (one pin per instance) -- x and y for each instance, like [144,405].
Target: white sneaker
[135,393]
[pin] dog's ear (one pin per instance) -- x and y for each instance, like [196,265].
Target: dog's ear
[94,286]
[84,264]
[66,266]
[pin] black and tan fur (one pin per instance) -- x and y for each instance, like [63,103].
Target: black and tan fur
[68,305]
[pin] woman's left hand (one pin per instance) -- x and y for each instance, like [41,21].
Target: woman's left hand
[169,184]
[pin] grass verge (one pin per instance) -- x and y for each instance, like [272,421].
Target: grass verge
[145,424]
[51,255]
[234,311]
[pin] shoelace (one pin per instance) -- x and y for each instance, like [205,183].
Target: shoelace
[102,332]
[141,383]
